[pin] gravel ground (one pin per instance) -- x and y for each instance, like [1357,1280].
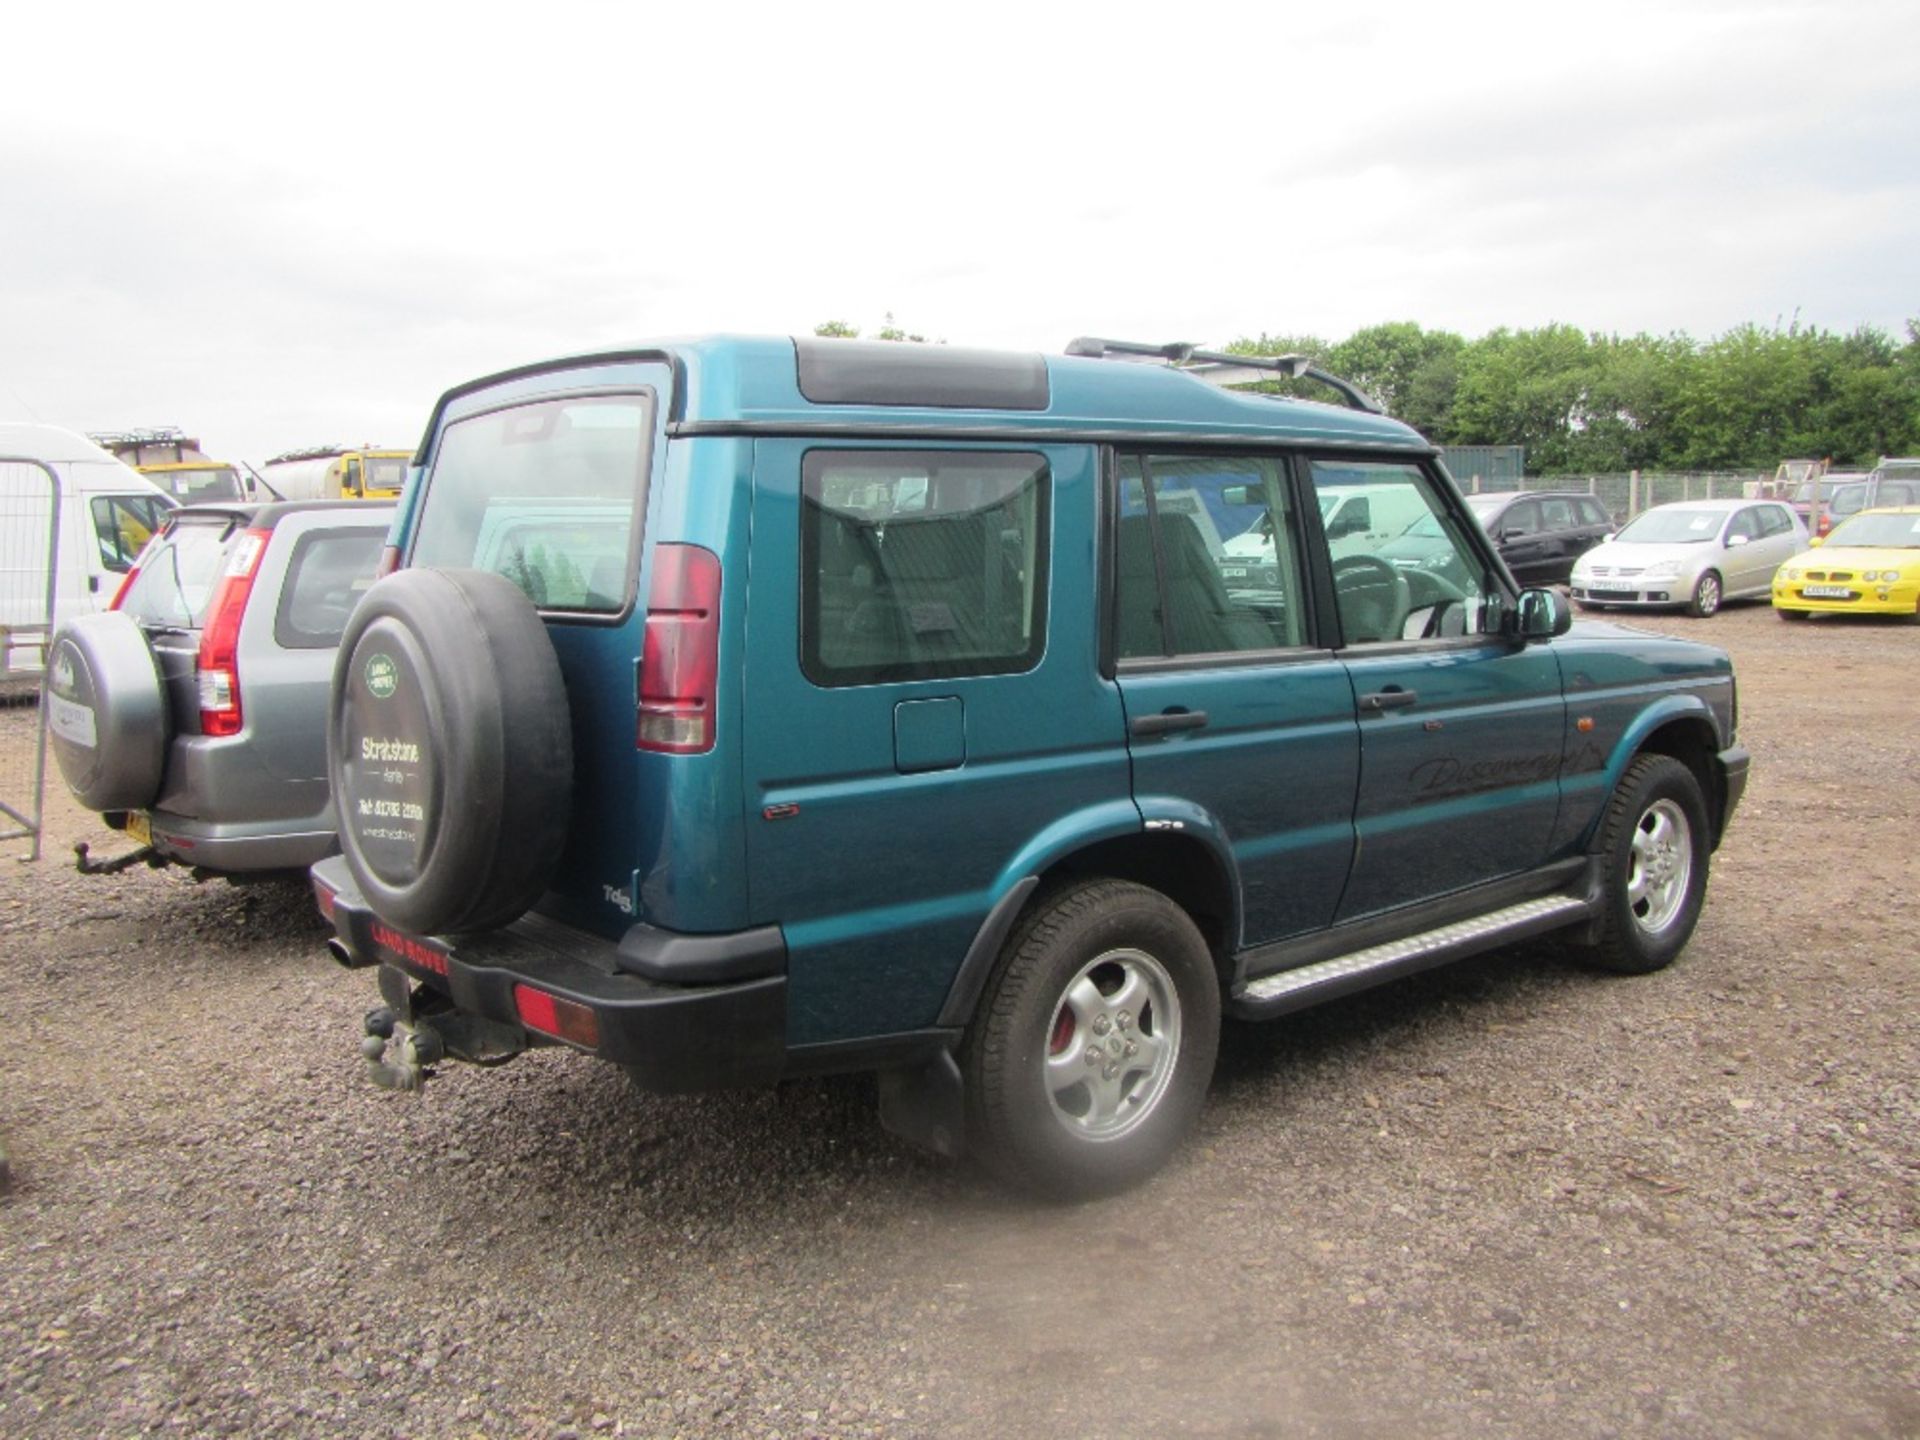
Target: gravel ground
[1511,1198]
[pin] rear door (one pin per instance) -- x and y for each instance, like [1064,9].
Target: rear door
[1461,729]
[545,480]
[1530,554]
[922,705]
[1234,712]
[312,575]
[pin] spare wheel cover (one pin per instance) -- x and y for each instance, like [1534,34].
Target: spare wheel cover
[450,750]
[106,712]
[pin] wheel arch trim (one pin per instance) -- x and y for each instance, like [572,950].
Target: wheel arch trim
[1058,845]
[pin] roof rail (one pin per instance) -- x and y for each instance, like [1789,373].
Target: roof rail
[1218,367]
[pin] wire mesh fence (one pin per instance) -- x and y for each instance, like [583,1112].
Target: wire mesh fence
[29,577]
[1627,493]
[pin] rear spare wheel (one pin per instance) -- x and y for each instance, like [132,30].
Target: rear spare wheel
[107,712]
[450,750]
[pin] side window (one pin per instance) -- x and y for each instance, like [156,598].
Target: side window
[122,524]
[1774,521]
[1522,518]
[1424,580]
[1592,512]
[1208,557]
[1745,526]
[329,572]
[921,564]
[1557,514]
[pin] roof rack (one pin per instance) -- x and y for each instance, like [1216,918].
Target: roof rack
[1218,367]
[310,452]
[153,435]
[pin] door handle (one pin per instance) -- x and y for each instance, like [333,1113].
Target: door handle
[1390,699]
[1167,721]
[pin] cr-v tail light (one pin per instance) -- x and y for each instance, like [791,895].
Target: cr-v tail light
[680,660]
[218,665]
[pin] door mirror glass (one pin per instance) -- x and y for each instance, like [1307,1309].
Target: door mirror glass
[1542,614]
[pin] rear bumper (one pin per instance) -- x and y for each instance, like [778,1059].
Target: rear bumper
[671,1037]
[254,846]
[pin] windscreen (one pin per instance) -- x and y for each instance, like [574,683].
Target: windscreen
[1894,532]
[208,482]
[1673,527]
[178,573]
[545,494]
[384,474]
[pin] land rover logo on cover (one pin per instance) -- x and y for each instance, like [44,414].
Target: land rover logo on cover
[383,677]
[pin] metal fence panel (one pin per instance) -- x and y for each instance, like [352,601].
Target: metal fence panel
[1627,493]
[29,581]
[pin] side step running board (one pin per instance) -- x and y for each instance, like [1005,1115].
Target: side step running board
[1296,989]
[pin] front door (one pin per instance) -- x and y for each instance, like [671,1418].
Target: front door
[1461,729]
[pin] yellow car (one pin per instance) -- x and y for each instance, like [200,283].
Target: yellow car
[1869,565]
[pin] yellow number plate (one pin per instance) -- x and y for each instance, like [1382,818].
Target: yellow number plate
[140,827]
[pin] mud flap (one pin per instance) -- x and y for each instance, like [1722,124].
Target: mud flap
[924,1104]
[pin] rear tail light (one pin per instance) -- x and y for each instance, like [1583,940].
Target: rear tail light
[218,665]
[680,660]
[567,1020]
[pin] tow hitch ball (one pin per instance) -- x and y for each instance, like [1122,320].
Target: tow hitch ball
[419,1048]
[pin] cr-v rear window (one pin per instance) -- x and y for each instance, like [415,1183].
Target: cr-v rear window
[178,572]
[545,494]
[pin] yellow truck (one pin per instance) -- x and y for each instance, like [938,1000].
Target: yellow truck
[334,472]
[175,462]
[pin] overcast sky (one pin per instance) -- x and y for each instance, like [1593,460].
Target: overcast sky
[277,231]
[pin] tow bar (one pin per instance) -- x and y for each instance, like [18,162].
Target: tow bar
[418,1028]
[416,1054]
[87,865]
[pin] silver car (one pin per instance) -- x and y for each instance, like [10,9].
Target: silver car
[193,713]
[1693,554]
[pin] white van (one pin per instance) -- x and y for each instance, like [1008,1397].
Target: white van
[1359,519]
[108,511]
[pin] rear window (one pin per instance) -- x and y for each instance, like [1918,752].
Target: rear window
[544,494]
[329,572]
[178,573]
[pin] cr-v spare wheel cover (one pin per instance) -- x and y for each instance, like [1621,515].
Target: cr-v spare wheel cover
[106,711]
[450,750]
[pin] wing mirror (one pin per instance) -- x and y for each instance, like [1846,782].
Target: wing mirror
[1541,615]
[1735,541]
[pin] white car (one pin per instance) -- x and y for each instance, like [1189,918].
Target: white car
[1694,553]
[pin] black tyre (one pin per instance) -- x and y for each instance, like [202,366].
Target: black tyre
[450,750]
[107,720]
[1091,1052]
[1707,595]
[1654,856]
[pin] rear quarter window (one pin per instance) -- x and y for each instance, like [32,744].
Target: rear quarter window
[546,494]
[921,564]
[329,572]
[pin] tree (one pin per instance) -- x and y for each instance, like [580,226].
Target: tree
[837,330]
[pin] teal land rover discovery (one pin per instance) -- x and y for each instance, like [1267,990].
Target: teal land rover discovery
[737,709]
